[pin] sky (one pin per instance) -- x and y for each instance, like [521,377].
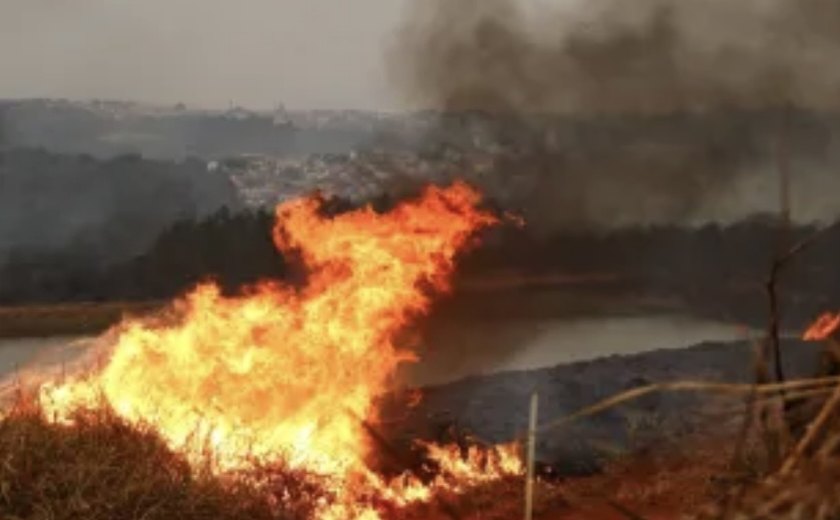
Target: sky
[205,53]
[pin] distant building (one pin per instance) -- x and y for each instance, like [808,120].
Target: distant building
[281,116]
[238,113]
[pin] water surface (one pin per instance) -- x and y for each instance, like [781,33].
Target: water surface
[461,348]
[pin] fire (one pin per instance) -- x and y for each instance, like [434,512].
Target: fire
[823,327]
[286,373]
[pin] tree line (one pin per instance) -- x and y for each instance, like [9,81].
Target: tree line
[719,270]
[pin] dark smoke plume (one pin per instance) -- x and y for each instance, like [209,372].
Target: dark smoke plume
[649,56]
[628,112]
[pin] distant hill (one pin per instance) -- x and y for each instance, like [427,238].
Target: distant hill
[107,129]
[558,171]
[104,210]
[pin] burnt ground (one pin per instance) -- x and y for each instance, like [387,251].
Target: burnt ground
[494,408]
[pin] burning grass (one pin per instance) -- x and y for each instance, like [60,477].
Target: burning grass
[281,377]
[102,467]
[261,405]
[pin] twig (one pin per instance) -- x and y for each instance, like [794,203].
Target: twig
[631,515]
[752,401]
[532,446]
[797,395]
[805,243]
[780,261]
[774,326]
[395,455]
[386,446]
[814,429]
[779,258]
[686,386]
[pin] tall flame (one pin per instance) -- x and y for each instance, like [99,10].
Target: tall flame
[288,373]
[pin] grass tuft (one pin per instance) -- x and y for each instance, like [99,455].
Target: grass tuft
[103,468]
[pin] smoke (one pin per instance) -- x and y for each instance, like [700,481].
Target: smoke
[629,112]
[607,56]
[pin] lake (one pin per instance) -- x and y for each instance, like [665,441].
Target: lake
[466,347]
[454,351]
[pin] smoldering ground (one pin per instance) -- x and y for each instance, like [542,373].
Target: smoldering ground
[628,112]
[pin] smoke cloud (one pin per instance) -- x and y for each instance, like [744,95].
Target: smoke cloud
[604,56]
[634,112]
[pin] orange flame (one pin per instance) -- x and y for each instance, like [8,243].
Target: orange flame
[823,327]
[288,374]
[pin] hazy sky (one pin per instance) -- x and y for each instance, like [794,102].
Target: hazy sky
[305,53]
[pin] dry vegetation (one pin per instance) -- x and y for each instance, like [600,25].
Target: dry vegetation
[103,468]
[804,485]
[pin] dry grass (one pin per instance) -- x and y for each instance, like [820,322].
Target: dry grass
[812,493]
[101,468]
[725,480]
[712,477]
[805,487]
[67,319]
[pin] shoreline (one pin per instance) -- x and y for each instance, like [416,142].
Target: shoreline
[541,298]
[67,319]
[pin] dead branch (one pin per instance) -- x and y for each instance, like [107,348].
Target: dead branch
[813,431]
[732,389]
